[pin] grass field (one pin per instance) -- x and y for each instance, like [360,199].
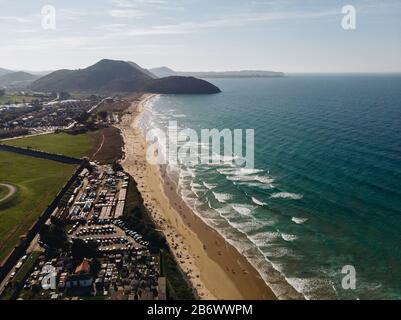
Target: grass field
[37,181]
[13,98]
[76,146]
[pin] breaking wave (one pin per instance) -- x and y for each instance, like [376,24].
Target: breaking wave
[286,195]
[258,202]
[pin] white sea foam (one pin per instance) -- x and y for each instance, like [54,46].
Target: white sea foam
[222,197]
[286,195]
[209,185]
[226,164]
[278,252]
[246,175]
[309,286]
[223,210]
[187,173]
[254,185]
[288,237]
[241,209]
[251,226]
[227,213]
[299,220]
[228,158]
[190,201]
[187,193]
[264,238]
[262,179]
[197,190]
[239,171]
[196,185]
[299,284]
[258,202]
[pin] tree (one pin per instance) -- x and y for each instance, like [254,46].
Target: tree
[83,117]
[117,167]
[103,115]
[64,96]
[53,235]
[35,103]
[2,92]
[80,249]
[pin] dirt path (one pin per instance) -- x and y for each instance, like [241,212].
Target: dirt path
[100,148]
[11,191]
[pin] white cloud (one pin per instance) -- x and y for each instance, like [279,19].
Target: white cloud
[154,5]
[112,27]
[160,47]
[16,19]
[127,13]
[75,14]
[135,3]
[228,21]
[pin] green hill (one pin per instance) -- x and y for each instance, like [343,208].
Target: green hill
[112,76]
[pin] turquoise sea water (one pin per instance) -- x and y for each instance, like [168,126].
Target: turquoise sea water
[326,189]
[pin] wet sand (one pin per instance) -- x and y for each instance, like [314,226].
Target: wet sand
[215,268]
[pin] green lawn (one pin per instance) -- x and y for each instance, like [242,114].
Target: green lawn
[38,181]
[61,143]
[15,98]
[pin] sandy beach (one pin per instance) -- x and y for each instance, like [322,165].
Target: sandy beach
[215,269]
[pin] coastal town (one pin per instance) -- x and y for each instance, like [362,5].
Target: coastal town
[50,113]
[94,245]
[88,216]
[87,246]
[121,266]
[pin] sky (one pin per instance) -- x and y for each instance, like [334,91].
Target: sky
[203,35]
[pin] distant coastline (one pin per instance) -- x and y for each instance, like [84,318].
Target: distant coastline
[165,72]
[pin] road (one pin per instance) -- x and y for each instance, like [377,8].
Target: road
[97,105]
[28,135]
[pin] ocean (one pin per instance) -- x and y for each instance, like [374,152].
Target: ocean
[325,191]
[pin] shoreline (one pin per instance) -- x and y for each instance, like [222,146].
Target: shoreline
[214,267]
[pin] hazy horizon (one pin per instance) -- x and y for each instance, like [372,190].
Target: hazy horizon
[287,36]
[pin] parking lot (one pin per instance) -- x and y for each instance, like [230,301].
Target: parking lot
[109,236]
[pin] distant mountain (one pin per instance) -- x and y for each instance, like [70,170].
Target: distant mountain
[106,75]
[181,85]
[112,76]
[163,72]
[150,74]
[17,79]
[39,73]
[4,72]
[166,72]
